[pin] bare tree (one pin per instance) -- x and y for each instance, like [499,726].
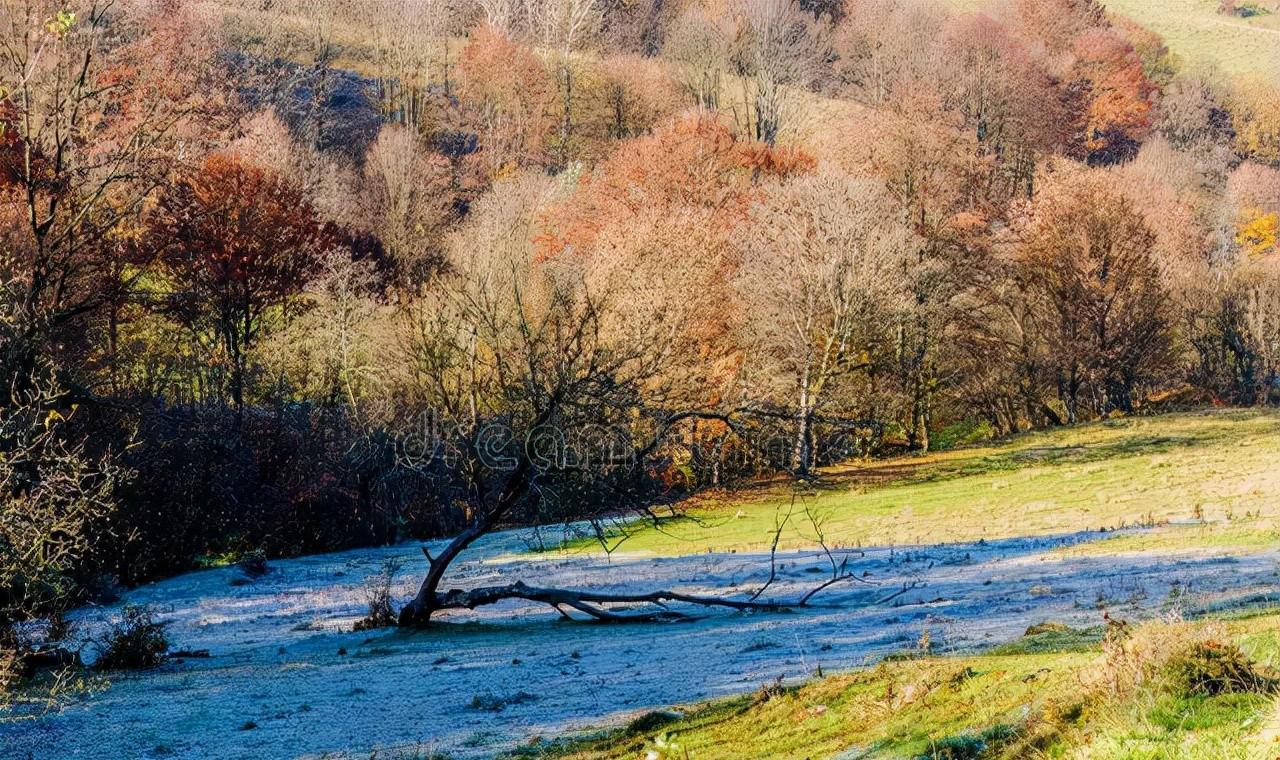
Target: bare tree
[780,49]
[1255,290]
[1086,257]
[561,28]
[335,351]
[823,268]
[412,39]
[873,62]
[407,191]
[700,43]
[56,508]
[529,365]
[503,15]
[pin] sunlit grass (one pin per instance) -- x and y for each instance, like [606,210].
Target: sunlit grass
[1196,32]
[1248,536]
[1033,703]
[1213,466]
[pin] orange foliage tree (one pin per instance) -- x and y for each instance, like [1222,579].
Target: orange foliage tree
[1086,257]
[666,205]
[1118,101]
[694,165]
[512,96]
[236,242]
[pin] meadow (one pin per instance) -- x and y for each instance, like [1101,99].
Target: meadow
[1197,476]
[1053,693]
[1187,485]
[1198,34]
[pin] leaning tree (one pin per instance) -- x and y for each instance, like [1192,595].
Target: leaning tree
[548,380]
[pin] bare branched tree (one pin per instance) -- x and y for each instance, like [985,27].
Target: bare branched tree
[57,501]
[530,365]
[780,50]
[412,38]
[701,45]
[823,265]
[560,28]
[84,147]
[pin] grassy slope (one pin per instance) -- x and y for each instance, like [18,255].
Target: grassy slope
[1055,691]
[1197,33]
[1222,466]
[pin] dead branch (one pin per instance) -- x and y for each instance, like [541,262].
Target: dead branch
[828,583]
[779,526]
[591,603]
[905,588]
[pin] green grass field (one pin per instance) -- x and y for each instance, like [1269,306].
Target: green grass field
[1053,694]
[1196,32]
[1217,467]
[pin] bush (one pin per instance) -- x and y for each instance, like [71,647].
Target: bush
[378,593]
[963,433]
[652,721]
[493,703]
[970,746]
[10,665]
[284,481]
[254,564]
[1212,668]
[134,642]
[57,505]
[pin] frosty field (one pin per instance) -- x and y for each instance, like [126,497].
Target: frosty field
[286,676]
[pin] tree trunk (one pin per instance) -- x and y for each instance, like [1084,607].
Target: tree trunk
[429,600]
[802,450]
[1069,395]
[566,123]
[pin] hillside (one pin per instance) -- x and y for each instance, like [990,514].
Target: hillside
[1198,34]
[1055,692]
[447,379]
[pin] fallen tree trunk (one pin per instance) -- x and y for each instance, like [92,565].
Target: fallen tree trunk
[590,603]
[429,599]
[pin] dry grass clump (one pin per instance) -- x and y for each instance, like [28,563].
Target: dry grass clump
[1212,668]
[1136,656]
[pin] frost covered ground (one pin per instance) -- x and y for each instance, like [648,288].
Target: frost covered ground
[278,685]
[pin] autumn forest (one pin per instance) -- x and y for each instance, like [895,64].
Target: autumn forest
[298,276]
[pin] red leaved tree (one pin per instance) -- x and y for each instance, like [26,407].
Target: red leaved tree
[236,243]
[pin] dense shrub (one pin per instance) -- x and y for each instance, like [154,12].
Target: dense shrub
[57,506]
[133,642]
[1211,668]
[283,481]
